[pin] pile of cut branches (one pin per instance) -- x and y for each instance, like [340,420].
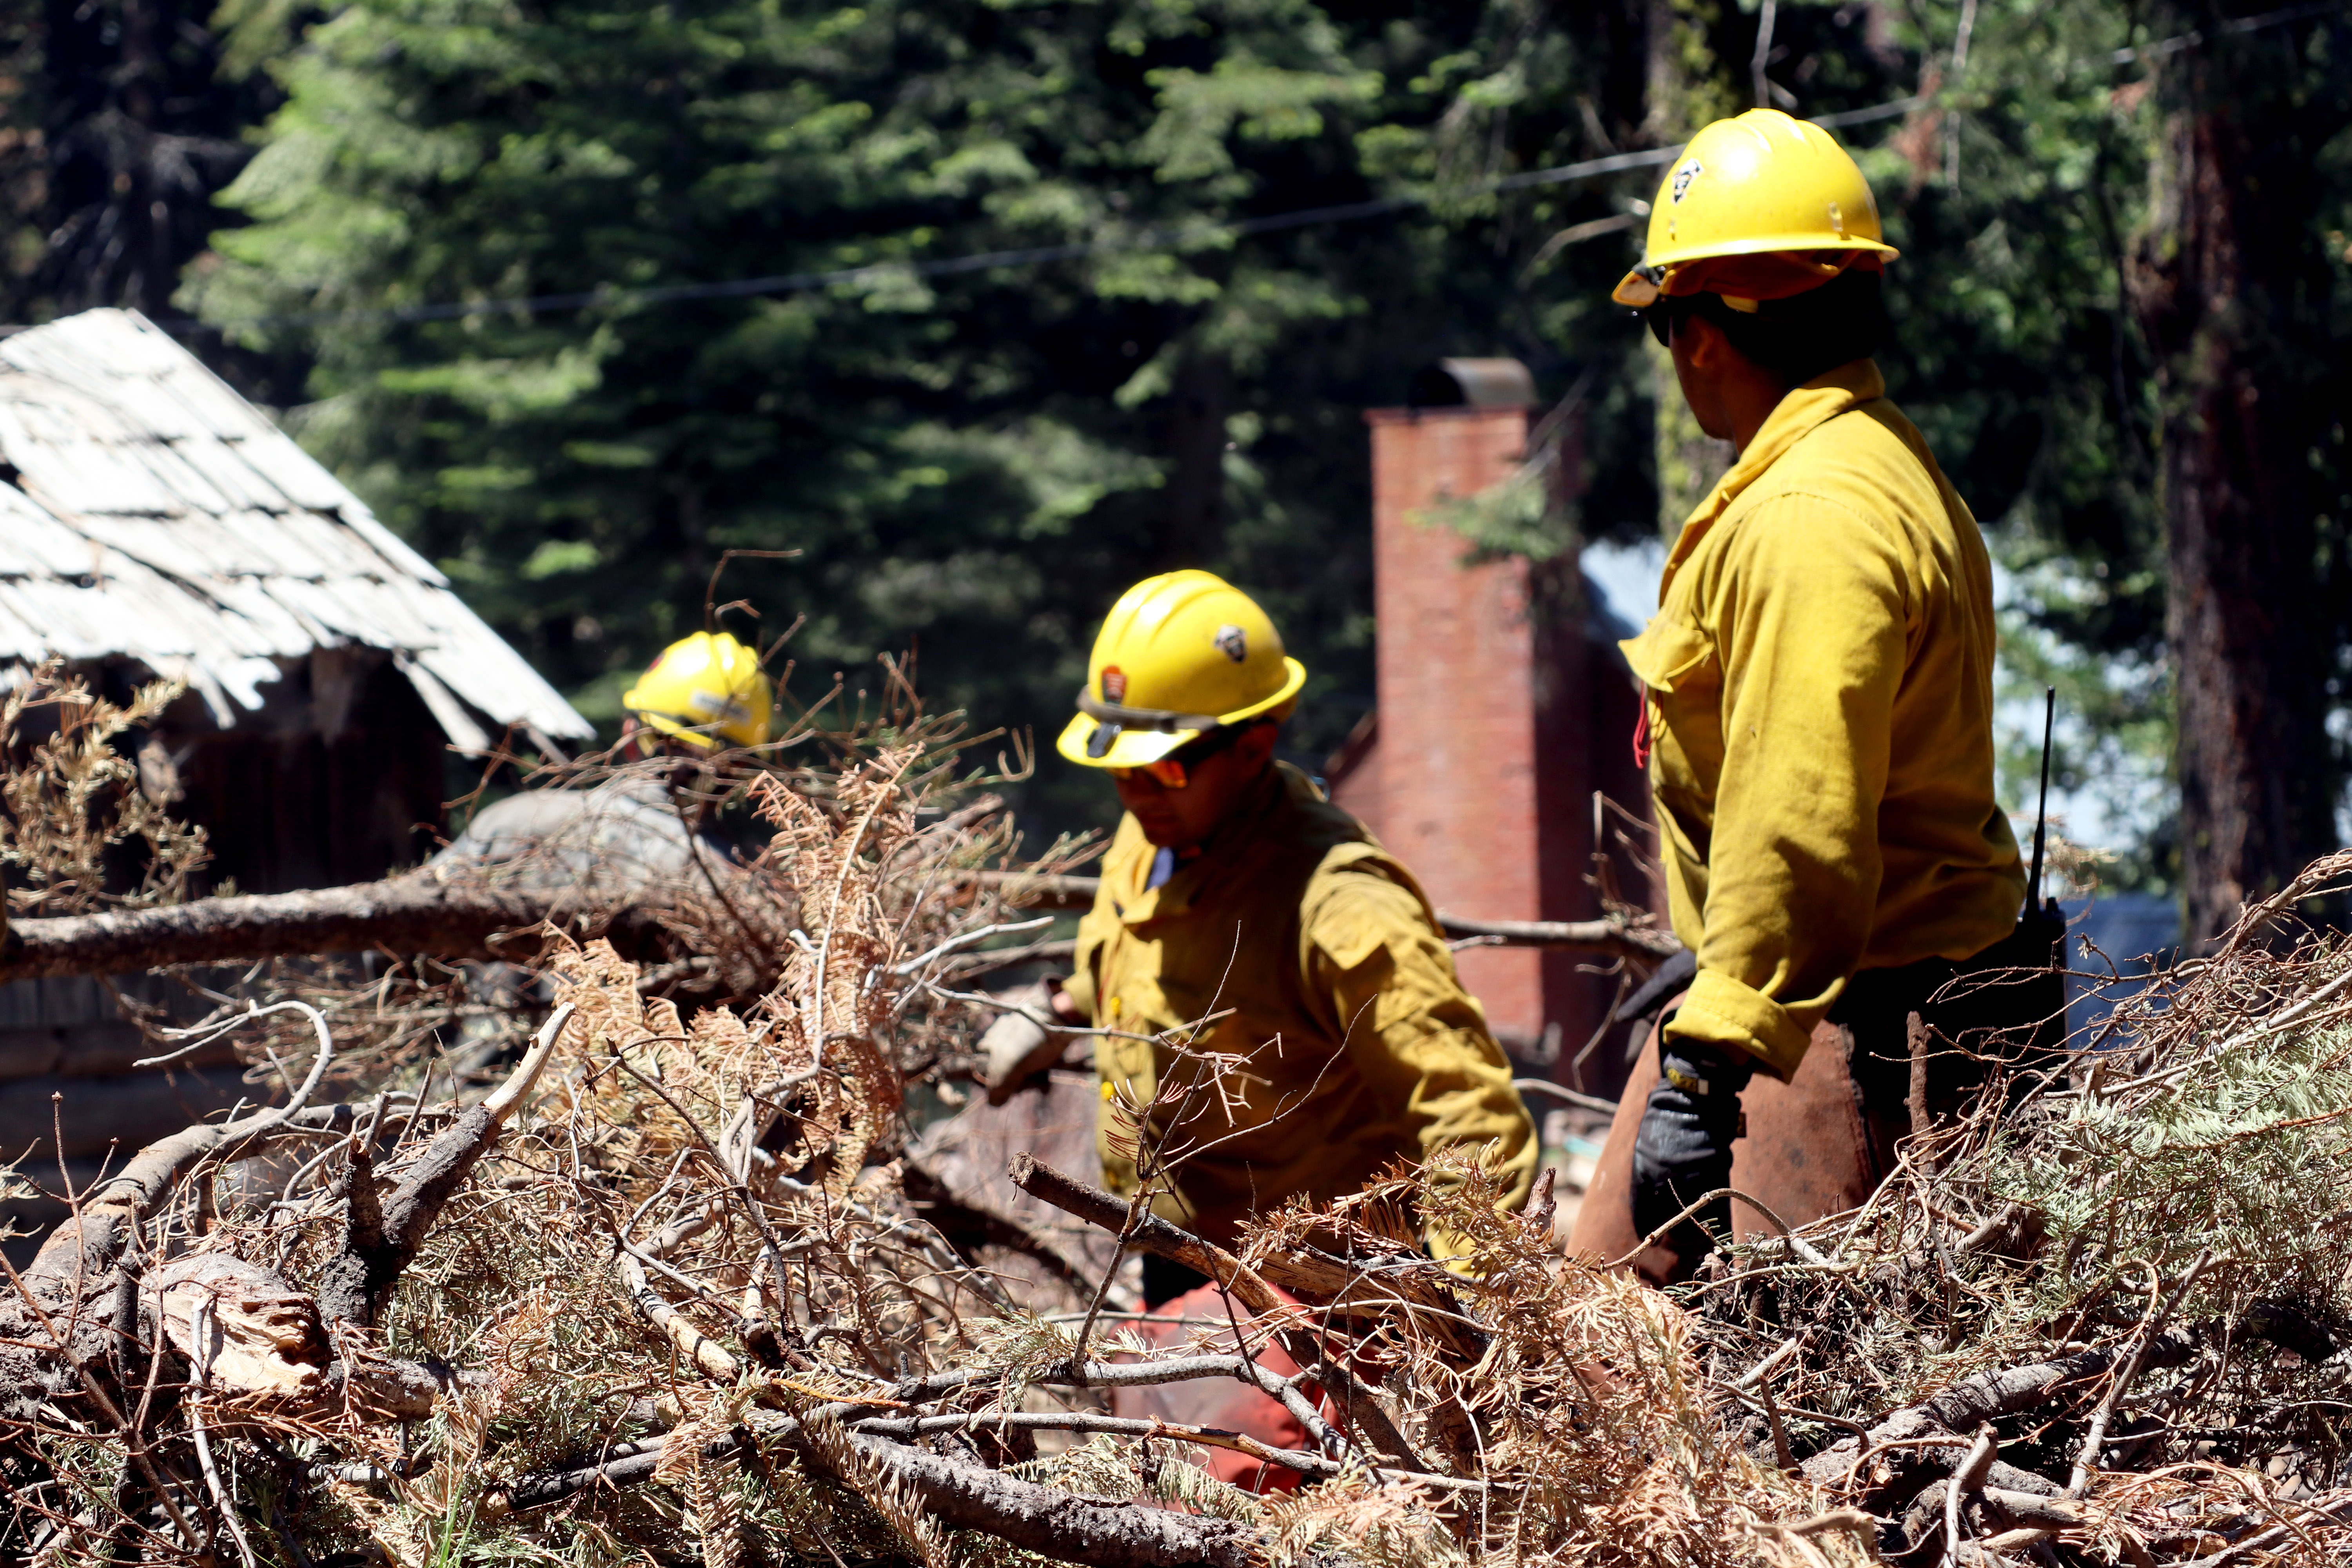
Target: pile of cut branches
[711,928]
[662,1295]
[2110,1313]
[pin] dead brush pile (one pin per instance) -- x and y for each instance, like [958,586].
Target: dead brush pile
[662,1296]
[2111,1322]
[430,976]
[71,803]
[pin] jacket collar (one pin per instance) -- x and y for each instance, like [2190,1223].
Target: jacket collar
[1804,410]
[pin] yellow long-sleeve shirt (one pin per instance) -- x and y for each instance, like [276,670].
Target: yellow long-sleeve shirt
[1819,678]
[1361,1045]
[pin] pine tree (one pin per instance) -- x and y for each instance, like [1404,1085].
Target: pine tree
[970,465]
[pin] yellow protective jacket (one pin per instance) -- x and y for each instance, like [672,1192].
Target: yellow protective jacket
[1361,1045]
[1820,706]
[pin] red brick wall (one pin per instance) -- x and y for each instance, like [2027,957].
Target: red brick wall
[1498,718]
[1457,672]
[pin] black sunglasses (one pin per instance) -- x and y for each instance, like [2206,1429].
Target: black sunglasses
[1664,315]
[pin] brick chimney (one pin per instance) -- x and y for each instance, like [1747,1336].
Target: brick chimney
[1499,717]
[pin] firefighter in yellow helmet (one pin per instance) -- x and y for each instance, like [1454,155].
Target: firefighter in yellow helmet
[704,692]
[1818,724]
[1232,886]
[701,693]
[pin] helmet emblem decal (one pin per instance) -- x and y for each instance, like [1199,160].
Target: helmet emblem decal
[718,707]
[1114,684]
[1233,642]
[1685,172]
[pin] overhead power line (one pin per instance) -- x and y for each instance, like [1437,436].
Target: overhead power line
[2254,24]
[1161,238]
[1168,237]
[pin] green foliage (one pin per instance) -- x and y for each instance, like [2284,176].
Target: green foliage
[2228,1161]
[2016,203]
[2111,749]
[973,464]
[1522,516]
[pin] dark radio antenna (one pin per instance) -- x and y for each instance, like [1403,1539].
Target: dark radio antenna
[2042,811]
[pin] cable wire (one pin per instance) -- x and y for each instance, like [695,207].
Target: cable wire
[1170,237]
[1148,239]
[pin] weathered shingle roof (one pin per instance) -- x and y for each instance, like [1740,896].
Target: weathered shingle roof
[153,513]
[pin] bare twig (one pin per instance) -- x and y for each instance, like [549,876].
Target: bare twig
[1968,1476]
[2152,1324]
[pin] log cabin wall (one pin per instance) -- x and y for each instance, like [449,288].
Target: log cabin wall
[66,1064]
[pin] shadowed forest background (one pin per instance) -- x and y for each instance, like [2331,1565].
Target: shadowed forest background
[2120,317]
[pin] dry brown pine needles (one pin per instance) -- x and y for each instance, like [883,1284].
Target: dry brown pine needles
[663,1297]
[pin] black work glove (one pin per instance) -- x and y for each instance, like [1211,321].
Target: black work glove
[1683,1149]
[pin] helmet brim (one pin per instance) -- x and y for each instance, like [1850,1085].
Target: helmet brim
[1134,748]
[1645,285]
[1636,290]
[702,739]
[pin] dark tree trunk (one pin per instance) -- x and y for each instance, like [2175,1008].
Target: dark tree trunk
[147,218]
[2231,291]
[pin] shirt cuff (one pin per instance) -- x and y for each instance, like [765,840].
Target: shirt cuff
[1721,1011]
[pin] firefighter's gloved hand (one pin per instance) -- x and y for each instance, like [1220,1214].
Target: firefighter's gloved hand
[1682,1150]
[1020,1045]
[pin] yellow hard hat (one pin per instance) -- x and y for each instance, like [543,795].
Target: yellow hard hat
[1179,653]
[1759,186]
[703,689]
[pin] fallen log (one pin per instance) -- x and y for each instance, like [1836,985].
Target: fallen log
[251,1331]
[1059,1525]
[1604,937]
[1056,1524]
[418,913]
[260,1341]
[61,1317]
[57,1317]
[466,917]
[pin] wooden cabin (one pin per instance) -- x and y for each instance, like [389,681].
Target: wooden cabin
[154,523]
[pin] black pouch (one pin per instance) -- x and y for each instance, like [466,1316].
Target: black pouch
[1999,1014]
